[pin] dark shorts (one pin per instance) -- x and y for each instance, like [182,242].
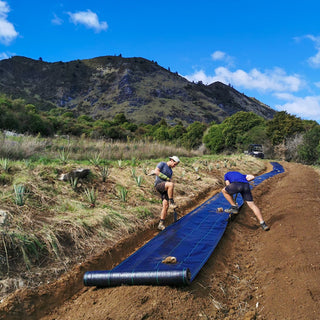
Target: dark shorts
[242,188]
[161,188]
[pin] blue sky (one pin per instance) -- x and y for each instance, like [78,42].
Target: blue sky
[269,50]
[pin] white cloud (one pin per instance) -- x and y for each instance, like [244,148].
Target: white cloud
[200,76]
[222,56]
[7,30]
[306,107]
[3,55]
[273,82]
[218,55]
[285,96]
[56,20]
[270,80]
[89,19]
[313,61]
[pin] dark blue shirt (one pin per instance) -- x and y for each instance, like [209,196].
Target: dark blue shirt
[235,176]
[165,169]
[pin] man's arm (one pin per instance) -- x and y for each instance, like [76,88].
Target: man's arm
[161,175]
[157,171]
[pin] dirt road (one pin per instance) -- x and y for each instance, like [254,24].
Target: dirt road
[252,274]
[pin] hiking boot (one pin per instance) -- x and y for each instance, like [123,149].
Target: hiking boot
[161,226]
[233,210]
[264,226]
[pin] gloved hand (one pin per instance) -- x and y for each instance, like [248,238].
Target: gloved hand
[163,176]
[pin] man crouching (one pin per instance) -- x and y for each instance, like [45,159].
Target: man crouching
[165,186]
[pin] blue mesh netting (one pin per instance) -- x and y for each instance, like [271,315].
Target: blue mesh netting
[191,240]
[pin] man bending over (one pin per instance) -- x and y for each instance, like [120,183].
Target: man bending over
[237,182]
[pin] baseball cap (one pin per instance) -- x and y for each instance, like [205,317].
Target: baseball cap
[175,159]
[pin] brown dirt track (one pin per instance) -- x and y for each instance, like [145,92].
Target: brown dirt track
[252,274]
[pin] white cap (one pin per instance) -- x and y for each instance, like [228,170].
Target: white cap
[175,159]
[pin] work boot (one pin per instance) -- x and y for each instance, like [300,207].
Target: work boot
[161,226]
[264,226]
[172,204]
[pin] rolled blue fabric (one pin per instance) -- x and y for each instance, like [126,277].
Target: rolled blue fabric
[111,279]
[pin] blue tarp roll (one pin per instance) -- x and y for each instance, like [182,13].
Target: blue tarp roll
[191,240]
[111,278]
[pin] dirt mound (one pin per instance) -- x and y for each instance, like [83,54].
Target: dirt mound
[251,275]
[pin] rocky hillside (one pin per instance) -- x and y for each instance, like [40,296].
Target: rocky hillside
[104,86]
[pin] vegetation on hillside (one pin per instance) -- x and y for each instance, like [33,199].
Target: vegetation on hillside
[285,136]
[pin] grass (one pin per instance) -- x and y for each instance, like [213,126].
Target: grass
[55,226]
[64,150]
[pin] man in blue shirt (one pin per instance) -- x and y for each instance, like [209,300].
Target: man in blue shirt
[165,186]
[237,182]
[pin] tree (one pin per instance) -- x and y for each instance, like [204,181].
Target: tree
[177,132]
[237,125]
[84,119]
[129,126]
[30,108]
[67,114]
[309,151]
[161,134]
[283,126]
[116,132]
[214,139]
[193,137]
[34,124]
[162,122]
[256,135]
[57,111]
[119,118]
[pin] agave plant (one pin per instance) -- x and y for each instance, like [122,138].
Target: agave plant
[64,155]
[123,192]
[95,160]
[104,171]
[138,180]
[91,196]
[74,183]
[20,194]
[5,164]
